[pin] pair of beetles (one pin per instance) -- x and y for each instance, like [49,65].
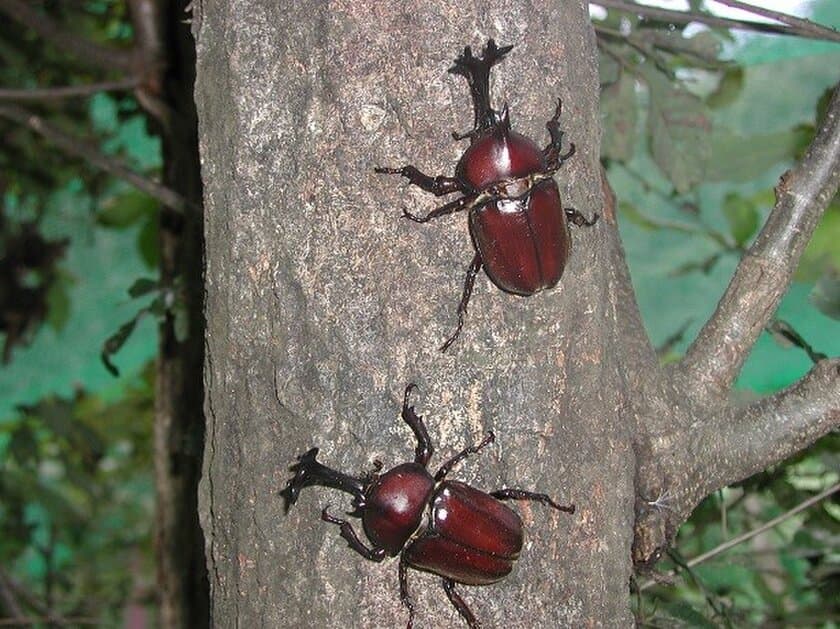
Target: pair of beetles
[521,236]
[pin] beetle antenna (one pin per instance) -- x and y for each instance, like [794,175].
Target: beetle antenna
[477,72]
[308,471]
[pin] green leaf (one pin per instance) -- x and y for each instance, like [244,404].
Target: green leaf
[115,342]
[826,294]
[143,286]
[58,304]
[147,242]
[182,321]
[126,209]
[618,118]
[742,217]
[739,158]
[822,251]
[688,615]
[728,89]
[678,128]
[23,445]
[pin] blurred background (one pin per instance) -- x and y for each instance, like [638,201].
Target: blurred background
[85,293]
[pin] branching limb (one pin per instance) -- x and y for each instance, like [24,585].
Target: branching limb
[742,441]
[715,358]
[104,57]
[732,444]
[805,27]
[66,91]
[812,31]
[113,166]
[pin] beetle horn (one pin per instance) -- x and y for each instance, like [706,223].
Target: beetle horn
[477,72]
[308,471]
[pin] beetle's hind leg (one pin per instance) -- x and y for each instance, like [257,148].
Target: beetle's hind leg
[405,597]
[469,282]
[438,186]
[459,604]
[521,494]
[424,449]
[552,150]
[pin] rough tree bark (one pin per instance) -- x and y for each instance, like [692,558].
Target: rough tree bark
[322,305]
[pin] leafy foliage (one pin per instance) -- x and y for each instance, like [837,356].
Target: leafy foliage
[76,504]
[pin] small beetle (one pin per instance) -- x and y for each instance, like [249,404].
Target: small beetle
[518,226]
[468,535]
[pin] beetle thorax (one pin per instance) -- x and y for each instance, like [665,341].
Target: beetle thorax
[394,505]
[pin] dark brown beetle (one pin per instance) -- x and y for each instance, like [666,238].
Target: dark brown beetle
[517,223]
[441,526]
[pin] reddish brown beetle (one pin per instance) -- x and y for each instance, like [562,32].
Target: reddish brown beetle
[517,223]
[467,536]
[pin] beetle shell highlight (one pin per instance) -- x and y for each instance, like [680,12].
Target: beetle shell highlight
[471,538]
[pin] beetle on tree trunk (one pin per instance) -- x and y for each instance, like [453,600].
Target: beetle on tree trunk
[468,537]
[517,223]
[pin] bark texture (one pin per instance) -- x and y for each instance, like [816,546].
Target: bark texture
[322,305]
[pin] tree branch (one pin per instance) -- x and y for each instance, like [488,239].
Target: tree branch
[812,31]
[111,165]
[66,91]
[805,27]
[743,441]
[713,361]
[104,57]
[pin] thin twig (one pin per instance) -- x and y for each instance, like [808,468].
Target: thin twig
[105,57]
[801,24]
[740,539]
[111,165]
[764,273]
[814,31]
[67,91]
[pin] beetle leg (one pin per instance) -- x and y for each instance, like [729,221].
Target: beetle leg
[469,282]
[474,449]
[521,494]
[462,203]
[579,219]
[552,149]
[424,449]
[347,532]
[438,186]
[405,597]
[308,472]
[459,604]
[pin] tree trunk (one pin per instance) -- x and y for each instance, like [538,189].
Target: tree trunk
[322,305]
[164,43]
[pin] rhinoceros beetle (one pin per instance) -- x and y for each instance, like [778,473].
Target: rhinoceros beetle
[440,526]
[518,226]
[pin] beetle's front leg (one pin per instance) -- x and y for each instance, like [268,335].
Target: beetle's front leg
[462,203]
[579,219]
[459,604]
[347,532]
[469,282]
[521,494]
[438,186]
[553,148]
